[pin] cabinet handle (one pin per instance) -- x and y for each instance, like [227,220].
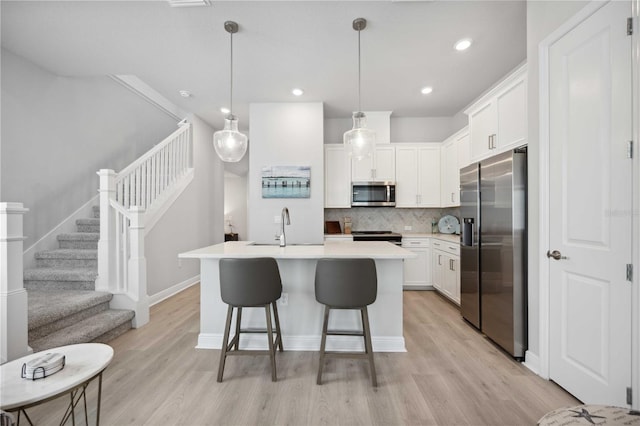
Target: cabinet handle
[452,197]
[489,142]
[439,259]
[414,242]
[452,248]
[451,264]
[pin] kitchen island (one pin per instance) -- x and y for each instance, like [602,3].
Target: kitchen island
[300,314]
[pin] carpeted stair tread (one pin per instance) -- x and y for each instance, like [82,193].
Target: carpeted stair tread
[88,254]
[56,274]
[89,221]
[49,306]
[80,236]
[88,225]
[79,240]
[84,331]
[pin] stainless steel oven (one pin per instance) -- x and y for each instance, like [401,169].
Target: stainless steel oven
[373,194]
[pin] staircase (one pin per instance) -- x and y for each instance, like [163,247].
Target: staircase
[63,306]
[56,303]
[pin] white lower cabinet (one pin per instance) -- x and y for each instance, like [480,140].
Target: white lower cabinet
[417,272]
[445,262]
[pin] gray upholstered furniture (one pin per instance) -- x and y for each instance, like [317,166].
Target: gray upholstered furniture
[346,284]
[253,282]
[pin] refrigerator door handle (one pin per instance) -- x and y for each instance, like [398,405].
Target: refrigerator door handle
[467,231]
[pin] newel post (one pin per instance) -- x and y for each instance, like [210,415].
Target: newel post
[13,296]
[106,251]
[138,266]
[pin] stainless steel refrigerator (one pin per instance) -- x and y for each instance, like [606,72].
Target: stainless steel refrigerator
[493,249]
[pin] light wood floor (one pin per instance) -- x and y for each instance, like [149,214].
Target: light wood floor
[451,375]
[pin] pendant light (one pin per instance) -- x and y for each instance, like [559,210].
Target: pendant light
[359,141]
[229,143]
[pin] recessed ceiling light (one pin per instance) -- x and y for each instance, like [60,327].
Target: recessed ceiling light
[426,90]
[297,92]
[463,44]
[224,110]
[185,93]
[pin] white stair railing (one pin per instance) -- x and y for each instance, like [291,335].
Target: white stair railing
[127,199]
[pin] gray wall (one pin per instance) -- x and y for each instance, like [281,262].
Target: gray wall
[543,17]
[403,129]
[235,203]
[195,220]
[286,134]
[58,131]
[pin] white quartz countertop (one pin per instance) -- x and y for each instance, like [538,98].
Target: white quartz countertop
[330,249]
[451,238]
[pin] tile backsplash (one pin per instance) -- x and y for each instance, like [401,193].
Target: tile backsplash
[389,218]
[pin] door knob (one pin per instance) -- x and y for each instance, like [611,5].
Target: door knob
[556,255]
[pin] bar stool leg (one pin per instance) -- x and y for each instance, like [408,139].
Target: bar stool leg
[368,346]
[225,342]
[238,321]
[272,350]
[275,315]
[323,343]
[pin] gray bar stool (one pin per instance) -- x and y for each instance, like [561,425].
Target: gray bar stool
[347,284]
[250,283]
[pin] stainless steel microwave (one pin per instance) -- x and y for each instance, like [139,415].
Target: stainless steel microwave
[373,194]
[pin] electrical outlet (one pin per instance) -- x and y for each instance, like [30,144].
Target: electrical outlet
[284,299]
[407,228]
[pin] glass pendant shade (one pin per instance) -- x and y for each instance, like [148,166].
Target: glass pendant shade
[360,141]
[229,143]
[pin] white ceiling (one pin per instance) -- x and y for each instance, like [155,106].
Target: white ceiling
[280,45]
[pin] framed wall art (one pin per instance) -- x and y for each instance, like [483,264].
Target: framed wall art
[286,182]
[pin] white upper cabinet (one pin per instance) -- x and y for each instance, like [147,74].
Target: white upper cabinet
[464,149]
[450,155]
[406,176]
[417,175]
[379,167]
[337,177]
[450,174]
[483,123]
[498,121]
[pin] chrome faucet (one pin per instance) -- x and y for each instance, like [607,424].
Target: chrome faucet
[284,215]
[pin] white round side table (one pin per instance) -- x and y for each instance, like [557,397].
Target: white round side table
[83,363]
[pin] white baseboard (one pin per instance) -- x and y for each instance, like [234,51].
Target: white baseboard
[307,343]
[50,240]
[173,290]
[532,362]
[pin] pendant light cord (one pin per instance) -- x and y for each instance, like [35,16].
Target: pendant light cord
[359,83]
[231,77]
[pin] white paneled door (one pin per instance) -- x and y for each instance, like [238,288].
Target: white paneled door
[590,207]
